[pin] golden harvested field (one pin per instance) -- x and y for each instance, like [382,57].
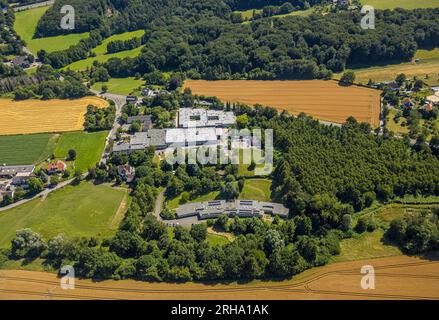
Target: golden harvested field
[324,100]
[400,277]
[37,116]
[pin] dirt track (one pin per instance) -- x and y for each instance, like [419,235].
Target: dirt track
[324,100]
[398,277]
[36,116]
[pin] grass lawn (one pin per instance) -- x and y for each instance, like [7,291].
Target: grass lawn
[25,25]
[406,4]
[217,239]
[364,246]
[370,244]
[26,149]
[256,189]
[84,210]
[432,53]
[123,86]
[248,14]
[86,63]
[102,48]
[396,127]
[88,146]
[176,202]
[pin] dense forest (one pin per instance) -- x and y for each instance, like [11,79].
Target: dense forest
[203,41]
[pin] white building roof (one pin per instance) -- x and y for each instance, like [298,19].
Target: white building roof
[188,117]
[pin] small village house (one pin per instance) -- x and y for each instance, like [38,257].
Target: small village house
[56,167]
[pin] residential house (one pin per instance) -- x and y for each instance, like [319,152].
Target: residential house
[56,167]
[21,61]
[131,99]
[126,172]
[407,103]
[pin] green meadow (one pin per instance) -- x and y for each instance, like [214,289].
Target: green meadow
[102,48]
[84,210]
[406,4]
[256,189]
[25,25]
[87,63]
[101,51]
[26,149]
[123,86]
[89,147]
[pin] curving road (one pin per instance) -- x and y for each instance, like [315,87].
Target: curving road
[119,102]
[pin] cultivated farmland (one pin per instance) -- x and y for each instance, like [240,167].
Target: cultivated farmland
[399,277]
[38,116]
[324,100]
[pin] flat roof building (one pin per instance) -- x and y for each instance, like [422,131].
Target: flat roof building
[12,171]
[188,117]
[240,208]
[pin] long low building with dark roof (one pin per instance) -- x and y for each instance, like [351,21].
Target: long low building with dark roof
[239,208]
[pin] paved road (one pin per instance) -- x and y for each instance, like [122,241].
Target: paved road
[119,102]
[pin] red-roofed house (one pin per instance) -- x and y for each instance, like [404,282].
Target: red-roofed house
[56,167]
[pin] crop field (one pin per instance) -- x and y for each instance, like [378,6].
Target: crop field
[406,4]
[84,210]
[88,147]
[38,116]
[26,149]
[401,277]
[25,25]
[324,100]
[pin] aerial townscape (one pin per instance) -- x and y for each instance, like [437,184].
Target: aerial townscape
[175,149]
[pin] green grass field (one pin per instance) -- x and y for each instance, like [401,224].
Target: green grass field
[102,48]
[123,86]
[406,4]
[88,146]
[217,239]
[87,63]
[370,244]
[25,25]
[26,149]
[256,189]
[176,202]
[84,210]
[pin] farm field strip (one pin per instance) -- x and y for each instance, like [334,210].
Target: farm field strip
[398,277]
[324,100]
[37,116]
